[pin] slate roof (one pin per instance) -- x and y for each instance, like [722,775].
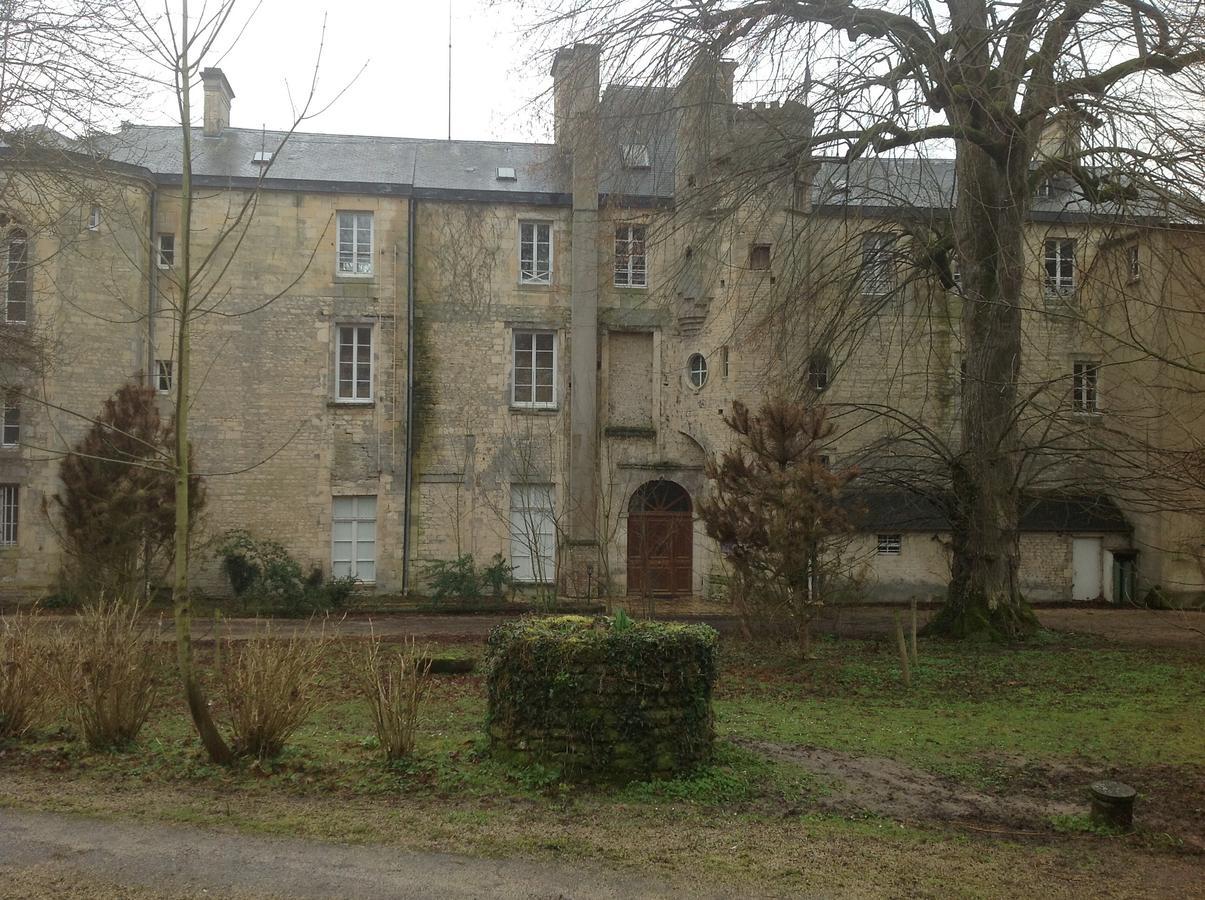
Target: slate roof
[885,511]
[629,115]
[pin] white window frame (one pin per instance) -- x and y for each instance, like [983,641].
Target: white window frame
[1059,276]
[12,238]
[533,532]
[10,509]
[529,362]
[94,217]
[1085,386]
[631,269]
[696,370]
[359,513]
[354,241]
[636,156]
[356,393]
[1134,259]
[163,376]
[165,256]
[877,272]
[534,275]
[890,544]
[10,423]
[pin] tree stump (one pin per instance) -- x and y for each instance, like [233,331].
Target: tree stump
[1113,805]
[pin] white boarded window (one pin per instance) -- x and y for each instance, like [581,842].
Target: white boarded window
[878,266]
[354,538]
[535,252]
[1085,386]
[1060,268]
[355,244]
[533,375]
[354,364]
[631,264]
[532,533]
[8,514]
[11,427]
[890,544]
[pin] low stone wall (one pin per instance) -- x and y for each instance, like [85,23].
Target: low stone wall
[600,701]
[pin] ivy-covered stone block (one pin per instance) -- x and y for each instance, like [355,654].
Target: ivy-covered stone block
[602,701]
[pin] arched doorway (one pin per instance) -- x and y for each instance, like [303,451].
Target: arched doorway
[660,540]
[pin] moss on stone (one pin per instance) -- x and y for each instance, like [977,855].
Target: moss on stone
[600,701]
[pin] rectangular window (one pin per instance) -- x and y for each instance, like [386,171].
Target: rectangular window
[630,261]
[354,364]
[94,218]
[166,251]
[878,267]
[8,514]
[11,429]
[890,544]
[1085,394]
[354,538]
[355,244]
[1135,261]
[16,283]
[163,376]
[533,377]
[759,256]
[535,252]
[532,533]
[1060,267]
[636,156]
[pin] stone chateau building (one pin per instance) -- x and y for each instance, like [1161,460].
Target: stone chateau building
[415,349]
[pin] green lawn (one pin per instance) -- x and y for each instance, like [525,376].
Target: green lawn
[985,717]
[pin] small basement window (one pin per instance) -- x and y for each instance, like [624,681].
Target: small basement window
[636,156]
[890,544]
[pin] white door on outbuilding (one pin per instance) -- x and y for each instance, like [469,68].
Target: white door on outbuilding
[1087,567]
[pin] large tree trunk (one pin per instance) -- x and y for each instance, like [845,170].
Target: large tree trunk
[984,600]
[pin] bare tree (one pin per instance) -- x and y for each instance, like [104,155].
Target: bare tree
[1094,96]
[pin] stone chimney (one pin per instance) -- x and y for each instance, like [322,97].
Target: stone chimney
[705,98]
[575,83]
[218,95]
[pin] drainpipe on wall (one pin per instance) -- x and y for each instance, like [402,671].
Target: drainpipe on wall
[411,226]
[152,275]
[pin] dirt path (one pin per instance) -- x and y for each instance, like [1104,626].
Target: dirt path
[49,854]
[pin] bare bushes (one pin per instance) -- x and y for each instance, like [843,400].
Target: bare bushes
[269,687]
[105,669]
[23,692]
[394,682]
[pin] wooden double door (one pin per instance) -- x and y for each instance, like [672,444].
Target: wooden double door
[660,540]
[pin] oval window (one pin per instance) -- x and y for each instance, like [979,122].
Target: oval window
[697,367]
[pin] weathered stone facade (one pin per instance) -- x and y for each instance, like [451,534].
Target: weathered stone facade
[485,254]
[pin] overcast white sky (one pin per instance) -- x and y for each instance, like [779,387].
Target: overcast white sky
[404,88]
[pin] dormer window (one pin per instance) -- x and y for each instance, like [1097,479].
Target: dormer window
[262,157]
[507,173]
[636,156]
[1045,189]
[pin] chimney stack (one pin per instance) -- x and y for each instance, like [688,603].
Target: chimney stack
[575,82]
[218,95]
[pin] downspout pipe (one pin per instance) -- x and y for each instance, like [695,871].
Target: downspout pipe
[152,277]
[408,477]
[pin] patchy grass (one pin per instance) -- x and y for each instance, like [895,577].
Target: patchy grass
[1038,718]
